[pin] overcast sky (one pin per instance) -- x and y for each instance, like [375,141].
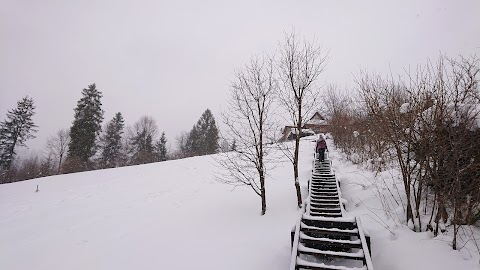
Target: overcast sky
[173,59]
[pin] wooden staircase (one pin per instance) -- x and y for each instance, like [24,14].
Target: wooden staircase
[325,237]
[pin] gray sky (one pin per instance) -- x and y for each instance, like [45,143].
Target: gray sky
[173,59]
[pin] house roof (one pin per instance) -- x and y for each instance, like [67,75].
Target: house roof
[316,119]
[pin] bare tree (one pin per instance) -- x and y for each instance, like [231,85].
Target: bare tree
[57,146]
[142,136]
[299,66]
[249,122]
[181,142]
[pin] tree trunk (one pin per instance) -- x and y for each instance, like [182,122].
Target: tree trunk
[59,164]
[295,158]
[261,169]
[262,193]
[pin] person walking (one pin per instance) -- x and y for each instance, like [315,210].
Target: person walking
[321,147]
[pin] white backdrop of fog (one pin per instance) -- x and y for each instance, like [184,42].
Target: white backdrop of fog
[173,59]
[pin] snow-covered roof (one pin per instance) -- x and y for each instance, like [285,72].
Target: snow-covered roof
[316,119]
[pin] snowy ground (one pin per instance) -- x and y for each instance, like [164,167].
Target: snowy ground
[175,215]
[168,215]
[394,245]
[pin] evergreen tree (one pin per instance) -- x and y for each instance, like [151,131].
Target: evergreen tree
[203,138]
[208,134]
[161,148]
[112,142]
[193,141]
[15,130]
[86,126]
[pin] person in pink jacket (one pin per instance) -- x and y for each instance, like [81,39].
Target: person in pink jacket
[321,147]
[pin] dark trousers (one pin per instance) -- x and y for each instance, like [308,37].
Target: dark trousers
[321,154]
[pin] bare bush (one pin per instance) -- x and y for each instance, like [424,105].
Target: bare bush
[430,124]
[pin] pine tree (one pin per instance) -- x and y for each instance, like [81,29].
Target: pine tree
[16,130]
[208,134]
[161,148]
[86,126]
[112,142]
[203,138]
[193,142]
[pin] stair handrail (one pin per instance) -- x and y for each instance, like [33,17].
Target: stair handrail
[307,199]
[363,240]
[296,238]
[340,198]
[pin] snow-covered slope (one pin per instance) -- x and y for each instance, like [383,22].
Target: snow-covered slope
[168,215]
[175,215]
[394,245]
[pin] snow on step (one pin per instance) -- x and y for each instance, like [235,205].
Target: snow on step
[323,202]
[324,190]
[326,193]
[340,241]
[324,196]
[342,219]
[313,265]
[313,213]
[346,231]
[325,209]
[350,255]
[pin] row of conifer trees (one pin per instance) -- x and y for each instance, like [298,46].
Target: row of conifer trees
[87,146]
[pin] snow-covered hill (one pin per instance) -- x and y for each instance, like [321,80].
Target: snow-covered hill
[168,215]
[175,215]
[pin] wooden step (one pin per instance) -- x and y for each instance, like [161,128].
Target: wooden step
[322,168]
[324,205]
[324,241]
[324,199]
[323,189]
[319,174]
[316,178]
[321,214]
[340,220]
[316,194]
[323,175]
[324,202]
[324,181]
[327,231]
[328,184]
[344,223]
[358,255]
[326,209]
[332,185]
[303,264]
[316,182]
[323,196]
[319,177]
